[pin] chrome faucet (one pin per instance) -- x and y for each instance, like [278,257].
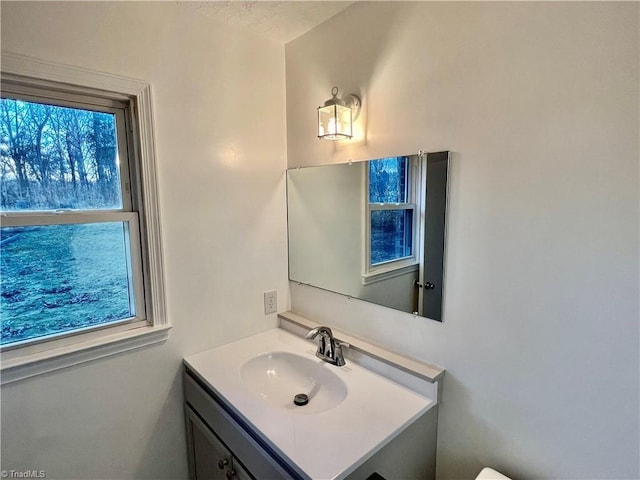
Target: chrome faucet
[329,349]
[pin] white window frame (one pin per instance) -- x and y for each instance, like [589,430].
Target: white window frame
[393,268]
[31,76]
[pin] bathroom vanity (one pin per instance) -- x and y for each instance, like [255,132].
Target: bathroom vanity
[375,417]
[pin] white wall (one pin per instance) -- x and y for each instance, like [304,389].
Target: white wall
[222,201]
[539,103]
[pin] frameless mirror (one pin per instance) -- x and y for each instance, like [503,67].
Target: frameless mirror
[372,230]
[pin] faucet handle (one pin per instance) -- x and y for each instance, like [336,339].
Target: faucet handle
[338,354]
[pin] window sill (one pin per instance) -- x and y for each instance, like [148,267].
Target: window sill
[30,365]
[380,275]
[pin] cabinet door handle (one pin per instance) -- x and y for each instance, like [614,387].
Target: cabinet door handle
[231,474]
[223,463]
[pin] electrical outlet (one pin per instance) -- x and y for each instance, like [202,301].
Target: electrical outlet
[270,302]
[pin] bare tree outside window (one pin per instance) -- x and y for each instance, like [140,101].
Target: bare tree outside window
[57,158]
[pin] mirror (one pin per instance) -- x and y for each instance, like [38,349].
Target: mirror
[372,230]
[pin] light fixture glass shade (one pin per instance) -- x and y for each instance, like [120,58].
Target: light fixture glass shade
[334,122]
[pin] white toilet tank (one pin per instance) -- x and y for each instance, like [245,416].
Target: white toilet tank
[490,474]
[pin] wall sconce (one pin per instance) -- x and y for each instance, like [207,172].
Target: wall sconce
[335,118]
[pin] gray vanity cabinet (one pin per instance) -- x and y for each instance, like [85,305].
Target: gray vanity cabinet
[209,459]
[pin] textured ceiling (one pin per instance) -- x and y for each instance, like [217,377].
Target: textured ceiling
[280,21]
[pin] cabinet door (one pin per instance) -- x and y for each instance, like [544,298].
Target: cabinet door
[208,457]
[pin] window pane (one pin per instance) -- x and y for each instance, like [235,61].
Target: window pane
[388,180]
[391,235]
[59,278]
[54,158]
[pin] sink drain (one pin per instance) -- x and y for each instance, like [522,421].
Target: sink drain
[301,399]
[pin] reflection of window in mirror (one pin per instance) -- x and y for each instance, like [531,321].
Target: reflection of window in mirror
[390,225]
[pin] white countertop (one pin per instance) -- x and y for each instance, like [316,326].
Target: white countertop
[325,445]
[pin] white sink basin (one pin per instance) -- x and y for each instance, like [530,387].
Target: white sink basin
[278,377]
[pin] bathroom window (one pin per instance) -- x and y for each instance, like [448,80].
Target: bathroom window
[78,238]
[391,216]
[69,239]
